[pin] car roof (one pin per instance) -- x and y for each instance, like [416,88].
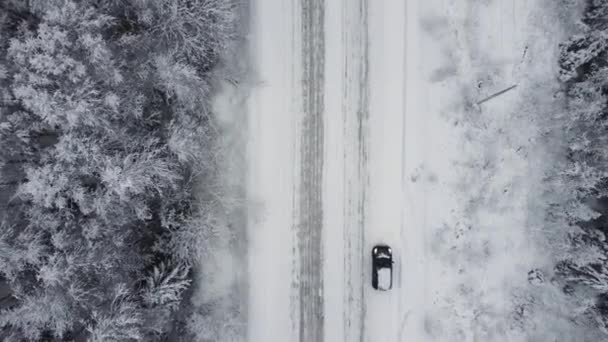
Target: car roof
[384,278]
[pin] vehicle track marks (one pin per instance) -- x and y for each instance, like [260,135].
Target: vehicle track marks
[355,114]
[310,207]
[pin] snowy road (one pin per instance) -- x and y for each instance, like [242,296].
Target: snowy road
[334,130]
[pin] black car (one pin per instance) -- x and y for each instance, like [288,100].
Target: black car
[382,268]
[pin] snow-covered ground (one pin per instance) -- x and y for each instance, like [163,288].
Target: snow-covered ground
[271,149]
[369,125]
[358,158]
[483,169]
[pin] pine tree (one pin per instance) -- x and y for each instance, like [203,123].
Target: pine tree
[165,285]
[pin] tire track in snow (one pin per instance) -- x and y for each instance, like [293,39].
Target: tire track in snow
[355,113]
[310,208]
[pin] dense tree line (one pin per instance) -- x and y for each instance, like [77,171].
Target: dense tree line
[583,269]
[104,128]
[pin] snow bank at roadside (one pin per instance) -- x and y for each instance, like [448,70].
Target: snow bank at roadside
[219,297]
[489,273]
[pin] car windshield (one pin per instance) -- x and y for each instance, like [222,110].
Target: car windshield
[383,254]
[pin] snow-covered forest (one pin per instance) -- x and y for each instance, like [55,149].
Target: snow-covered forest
[109,167]
[581,185]
[523,253]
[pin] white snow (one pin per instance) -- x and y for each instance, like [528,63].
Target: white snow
[336,176]
[482,170]
[270,182]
